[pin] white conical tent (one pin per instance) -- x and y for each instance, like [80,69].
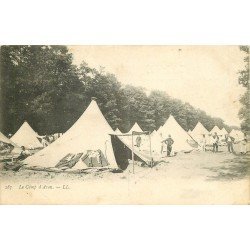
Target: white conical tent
[178,134]
[189,131]
[237,134]
[90,132]
[156,140]
[159,130]
[6,140]
[27,137]
[135,128]
[118,131]
[216,130]
[200,130]
[224,131]
[233,132]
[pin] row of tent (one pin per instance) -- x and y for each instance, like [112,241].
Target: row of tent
[200,130]
[27,137]
[92,142]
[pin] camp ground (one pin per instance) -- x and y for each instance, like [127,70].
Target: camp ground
[67,122]
[81,149]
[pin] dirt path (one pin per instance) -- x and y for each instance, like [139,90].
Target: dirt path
[195,178]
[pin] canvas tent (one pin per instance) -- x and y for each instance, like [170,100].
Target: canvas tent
[200,129]
[118,131]
[86,144]
[224,132]
[135,128]
[123,149]
[237,134]
[198,134]
[27,137]
[6,140]
[216,130]
[179,135]
[156,141]
[154,131]
[159,130]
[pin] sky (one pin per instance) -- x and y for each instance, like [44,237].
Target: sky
[204,76]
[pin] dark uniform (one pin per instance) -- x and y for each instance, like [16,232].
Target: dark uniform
[169,141]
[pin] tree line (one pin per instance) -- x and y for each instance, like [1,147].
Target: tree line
[244,113]
[41,84]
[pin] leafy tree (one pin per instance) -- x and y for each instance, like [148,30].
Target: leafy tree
[40,84]
[105,88]
[36,82]
[244,113]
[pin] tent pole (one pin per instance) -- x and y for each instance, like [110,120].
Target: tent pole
[150,148]
[133,154]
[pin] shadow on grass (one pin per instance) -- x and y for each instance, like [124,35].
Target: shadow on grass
[233,169]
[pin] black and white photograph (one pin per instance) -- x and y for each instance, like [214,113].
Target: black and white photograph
[124,124]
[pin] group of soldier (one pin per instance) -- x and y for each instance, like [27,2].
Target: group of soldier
[229,140]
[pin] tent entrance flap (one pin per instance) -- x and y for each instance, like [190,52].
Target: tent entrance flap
[123,153]
[90,159]
[68,161]
[95,158]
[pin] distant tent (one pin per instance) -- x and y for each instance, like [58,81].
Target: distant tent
[224,132]
[118,131]
[180,136]
[216,130]
[86,144]
[135,128]
[27,137]
[237,134]
[189,131]
[6,140]
[200,130]
[153,132]
[233,132]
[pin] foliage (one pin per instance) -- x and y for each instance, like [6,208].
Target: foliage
[244,113]
[40,84]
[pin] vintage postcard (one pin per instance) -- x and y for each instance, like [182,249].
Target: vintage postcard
[124,125]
